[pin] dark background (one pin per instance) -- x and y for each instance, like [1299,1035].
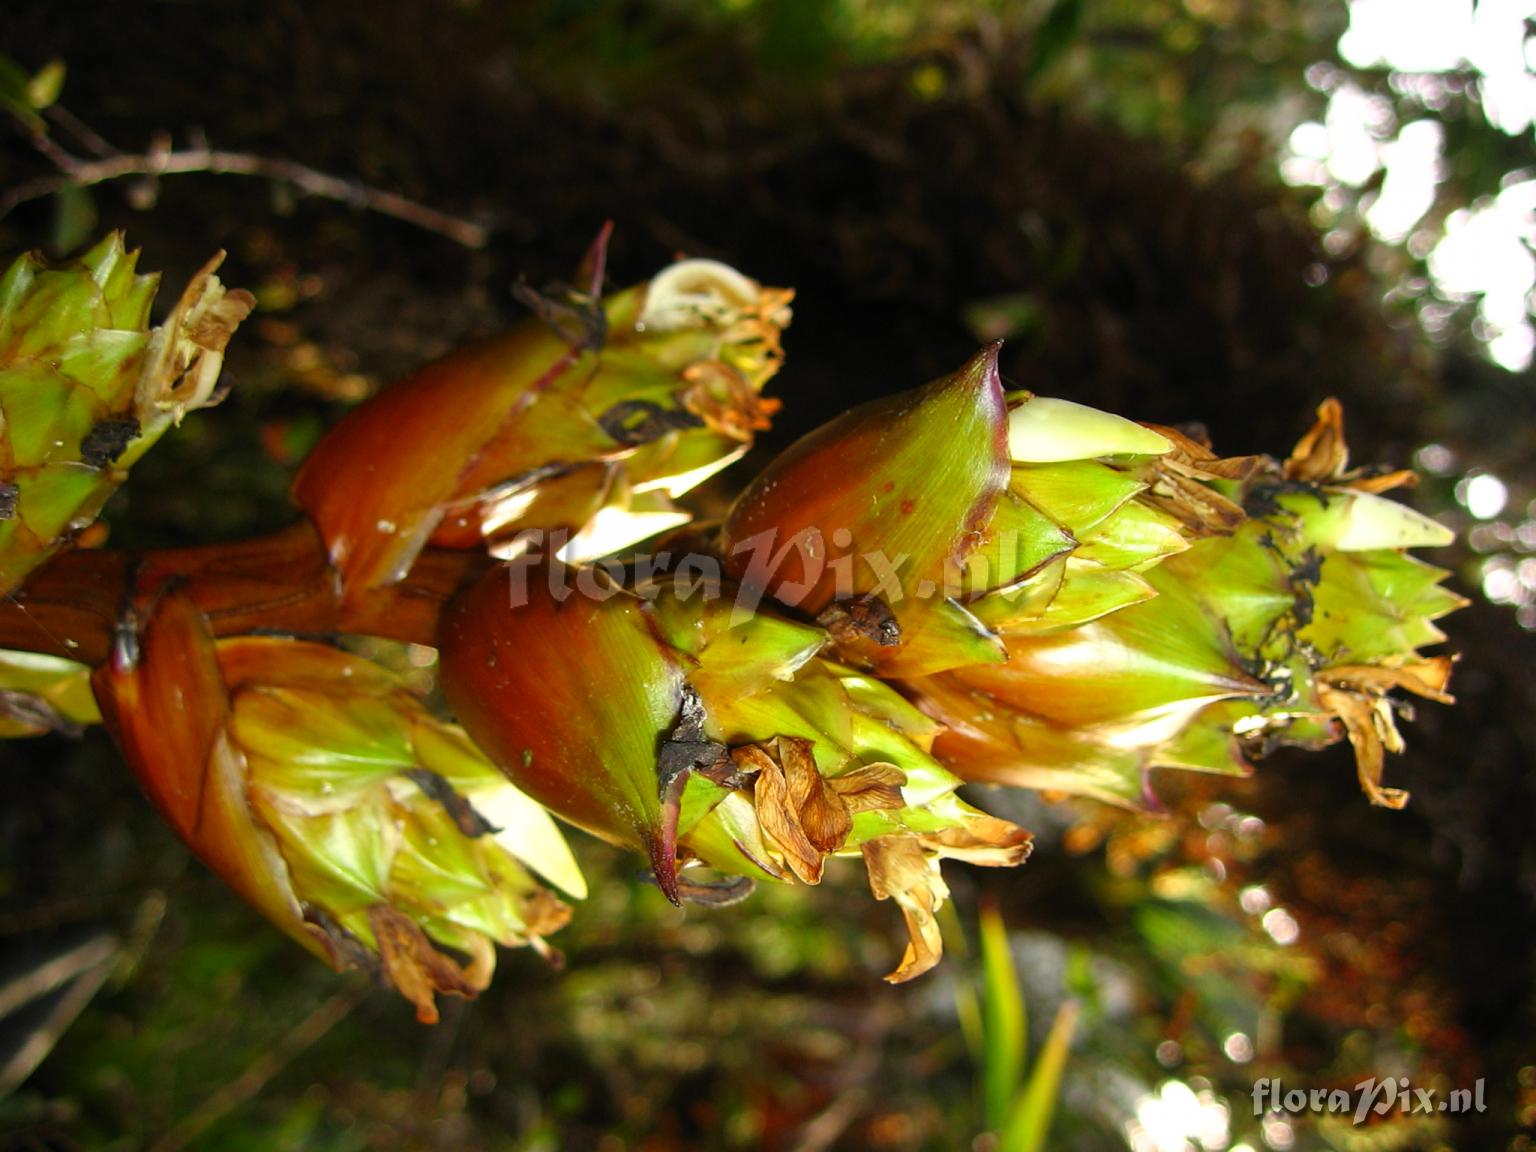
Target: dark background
[925,180]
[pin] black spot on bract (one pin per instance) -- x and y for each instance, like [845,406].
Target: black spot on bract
[107,440]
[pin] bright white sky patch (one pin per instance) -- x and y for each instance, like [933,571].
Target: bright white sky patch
[1485,252]
[1484,495]
[1408,191]
[1177,1119]
[1356,122]
[1439,35]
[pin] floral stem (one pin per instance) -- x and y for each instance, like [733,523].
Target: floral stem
[282,582]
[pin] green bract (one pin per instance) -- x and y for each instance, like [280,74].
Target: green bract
[86,387]
[921,528]
[587,418]
[704,735]
[328,796]
[1291,629]
[1080,598]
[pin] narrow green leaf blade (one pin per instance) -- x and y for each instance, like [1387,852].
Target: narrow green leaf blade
[1003,1021]
[1030,1123]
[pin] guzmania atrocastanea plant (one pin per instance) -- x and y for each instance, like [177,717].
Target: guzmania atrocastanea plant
[957,584]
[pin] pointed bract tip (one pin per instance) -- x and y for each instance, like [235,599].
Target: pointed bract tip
[662,846]
[980,372]
[593,269]
[1370,523]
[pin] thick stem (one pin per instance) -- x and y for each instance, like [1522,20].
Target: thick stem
[282,583]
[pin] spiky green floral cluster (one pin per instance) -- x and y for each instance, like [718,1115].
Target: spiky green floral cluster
[587,418]
[1080,599]
[1289,625]
[327,795]
[705,739]
[86,387]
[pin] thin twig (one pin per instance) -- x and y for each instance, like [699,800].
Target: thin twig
[57,970]
[92,140]
[439,1051]
[79,173]
[84,969]
[824,1129]
[243,1087]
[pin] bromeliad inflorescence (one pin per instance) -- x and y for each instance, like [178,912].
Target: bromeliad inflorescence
[954,584]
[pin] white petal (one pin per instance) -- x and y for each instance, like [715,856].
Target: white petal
[1044,430]
[530,833]
[696,294]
